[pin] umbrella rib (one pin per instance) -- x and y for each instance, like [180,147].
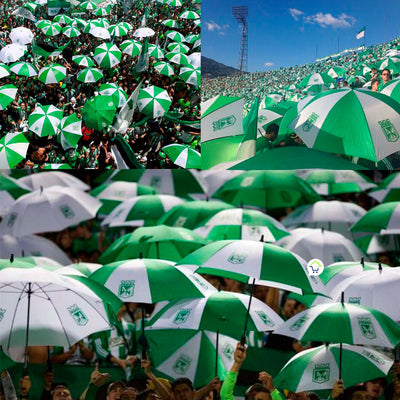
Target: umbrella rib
[58,315]
[15,313]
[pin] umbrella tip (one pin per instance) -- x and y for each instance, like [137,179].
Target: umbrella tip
[362,261]
[41,189]
[342,298]
[322,230]
[380,268]
[262,239]
[12,258]
[141,255]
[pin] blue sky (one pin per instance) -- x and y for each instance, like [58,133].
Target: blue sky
[286,32]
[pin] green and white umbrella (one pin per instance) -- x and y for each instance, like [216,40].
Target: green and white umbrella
[99,32]
[118,30]
[143,210]
[49,210]
[316,79]
[192,39]
[53,166]
[175,36]
[73,309]
[131,47]
[12,52]
[336,72]
[161,242]
[191,75]
[70,131]
[189,353]
[51,29]
[220,311]
[101,12]
[45,120]
[153,101]
[344,323]
[107,55]
[113,194]
[10,189]
[143,32]
[189,15]
[83,61]
[164,68]
[38,181]
[239,224]
[53,73]
[171,23]
[387,62]
[62,19]
[150,281]
[374,244]
[332,215]
[89,75]
[70,31]
[267,190]
[83,268]
[30,5]
[112,89]
[13,149]
[388,189]
[88,5]
[392,89]
[245,260]
[4,70]
[79,22]
[327,246]
[24,69]
[178,58]
[178,48]
[174,3]
[156,52]
[383,219]
[98,112]
[21,35]
[371,132]
[183,156]
[7,95]
[192,214]
[332,182]
[318,368]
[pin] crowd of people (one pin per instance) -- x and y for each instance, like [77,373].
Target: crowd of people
[145,135]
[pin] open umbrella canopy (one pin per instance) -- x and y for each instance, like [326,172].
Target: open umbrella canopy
[4,70]
[267,190]
[154,242]
[164,68]
[13,149]
[239,223]
[98,112]
[51,29]
[89,75]
[220,311]
[153,101]
[245,260]
[112,89]
[21,35]
[150,281]
[24,69]
[56,178]
[45,120]
[183,156]
[107,55]
[131,47]
[12,52]
[191,75]
[49,210]
[70,317]
[83,61]
[318,368]
[53,73]
[383,219]
[70,131]
[370,133]
[7,95]
[71,31]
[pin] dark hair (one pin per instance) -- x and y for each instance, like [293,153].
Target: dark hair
[181,381]
[272,128]
[144,393]
[256,388]
[374,80]
[348,393]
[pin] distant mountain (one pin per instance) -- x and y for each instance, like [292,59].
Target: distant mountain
[213,69]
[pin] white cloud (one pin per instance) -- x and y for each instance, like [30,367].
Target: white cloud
[326,20]
[295,13]
[212,26]
[268,64]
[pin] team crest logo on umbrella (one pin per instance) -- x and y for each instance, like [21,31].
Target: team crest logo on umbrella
[338,258]
[321,373]
[201,283]
[367,328]
[265,318]
[78,315]
[312,119]
[298,324]
[11,220]
[223,123]
[67,212]
[228,351]
[248,181]
[2,312]
[126,289]
[354,300]
[182,315]
[180,222]
[262,119]
[237,258]
[373,357]
[389,130]
[182,364]
[155,182]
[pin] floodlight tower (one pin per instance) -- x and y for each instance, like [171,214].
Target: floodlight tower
[240,15]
